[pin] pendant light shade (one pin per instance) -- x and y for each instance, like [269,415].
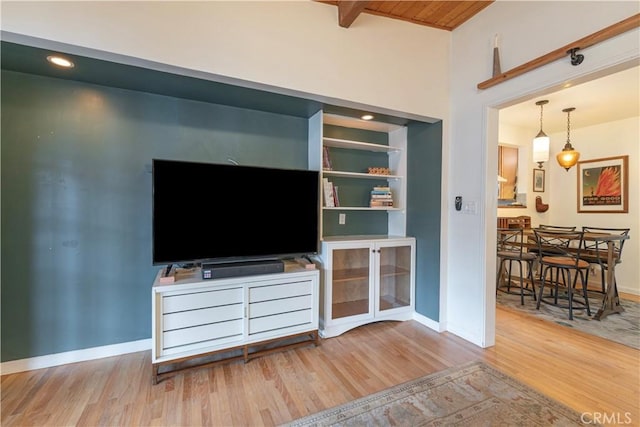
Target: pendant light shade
[568,157]
[541,141]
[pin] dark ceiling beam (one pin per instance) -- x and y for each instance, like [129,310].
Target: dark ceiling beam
[348,11]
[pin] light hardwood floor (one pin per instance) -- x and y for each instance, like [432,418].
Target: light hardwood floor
[587,373]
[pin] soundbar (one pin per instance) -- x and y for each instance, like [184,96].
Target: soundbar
[242,268]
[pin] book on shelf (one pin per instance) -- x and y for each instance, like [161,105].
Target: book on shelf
[326,159]
[329,200]
[336,200]
[381,203]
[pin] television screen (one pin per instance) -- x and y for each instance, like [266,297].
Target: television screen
[219,212]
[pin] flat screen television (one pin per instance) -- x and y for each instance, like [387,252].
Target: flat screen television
[207,212]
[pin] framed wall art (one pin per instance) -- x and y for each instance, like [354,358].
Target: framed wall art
[603,185]
[538,180]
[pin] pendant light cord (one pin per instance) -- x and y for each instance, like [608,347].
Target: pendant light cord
[568,145]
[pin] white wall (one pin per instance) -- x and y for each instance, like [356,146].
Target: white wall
[296,45]
[526,31]
[611,139]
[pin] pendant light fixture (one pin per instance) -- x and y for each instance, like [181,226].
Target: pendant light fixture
[568,157]
[541,141]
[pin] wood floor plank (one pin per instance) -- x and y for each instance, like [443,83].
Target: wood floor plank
[588,373]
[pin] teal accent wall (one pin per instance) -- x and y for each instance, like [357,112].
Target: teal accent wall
[424,179]
[76,201]
[355,192]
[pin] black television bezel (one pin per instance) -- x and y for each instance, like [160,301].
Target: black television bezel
[239,258]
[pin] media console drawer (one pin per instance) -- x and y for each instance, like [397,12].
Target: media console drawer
[269,308]
[173,302]
[280,321]
[190,318]
[202,333]
[279,291]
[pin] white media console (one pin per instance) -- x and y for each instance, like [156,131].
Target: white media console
[233,318]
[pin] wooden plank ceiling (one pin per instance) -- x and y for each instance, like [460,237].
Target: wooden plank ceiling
[445,15]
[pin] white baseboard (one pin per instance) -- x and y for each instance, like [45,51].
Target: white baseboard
[429,323]
[74,356]
[628,290]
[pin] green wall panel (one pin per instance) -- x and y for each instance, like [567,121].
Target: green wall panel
[76,201]
[424,179]
[355,134]
[357,222]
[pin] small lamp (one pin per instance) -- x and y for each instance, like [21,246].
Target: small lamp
[541,141]
[568,157]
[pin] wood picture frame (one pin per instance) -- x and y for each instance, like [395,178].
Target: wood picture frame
[603,185]
[538,180]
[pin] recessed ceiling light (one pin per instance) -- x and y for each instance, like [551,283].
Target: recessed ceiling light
[367,117]
[60,61]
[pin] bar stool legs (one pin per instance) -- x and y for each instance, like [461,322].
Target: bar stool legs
[568,285]
[505,266]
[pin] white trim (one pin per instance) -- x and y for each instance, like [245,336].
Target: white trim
[74,356]
[432,324]
[626,290]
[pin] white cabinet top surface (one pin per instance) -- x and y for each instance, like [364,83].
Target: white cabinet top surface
[192,277]
[381,237]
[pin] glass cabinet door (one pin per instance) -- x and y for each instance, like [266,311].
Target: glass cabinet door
[395,277]
[350,282]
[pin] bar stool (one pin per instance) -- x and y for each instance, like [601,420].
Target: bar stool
[547,227]
[509,251]
[560,254]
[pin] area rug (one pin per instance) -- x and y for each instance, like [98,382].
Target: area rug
[623,328]
[473,394]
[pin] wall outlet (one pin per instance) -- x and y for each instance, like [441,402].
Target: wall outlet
[342,219]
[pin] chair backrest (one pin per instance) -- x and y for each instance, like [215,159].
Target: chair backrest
[556,227]
[600,246]
[509,240]
[559,243]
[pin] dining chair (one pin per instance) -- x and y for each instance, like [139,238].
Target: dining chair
[559,259]
[531,240]
[597,254]
[510,251]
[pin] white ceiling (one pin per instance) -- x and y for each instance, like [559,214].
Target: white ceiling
[612,97]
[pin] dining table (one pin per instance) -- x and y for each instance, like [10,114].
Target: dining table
[611,300]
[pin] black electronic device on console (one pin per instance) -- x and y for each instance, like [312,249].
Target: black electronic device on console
[243,268]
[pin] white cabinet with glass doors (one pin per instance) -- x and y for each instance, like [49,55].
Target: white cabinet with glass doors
[366,280]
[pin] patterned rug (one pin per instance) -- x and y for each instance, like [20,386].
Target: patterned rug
[470,395]
[623,328]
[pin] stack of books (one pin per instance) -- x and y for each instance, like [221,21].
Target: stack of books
[381,197]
